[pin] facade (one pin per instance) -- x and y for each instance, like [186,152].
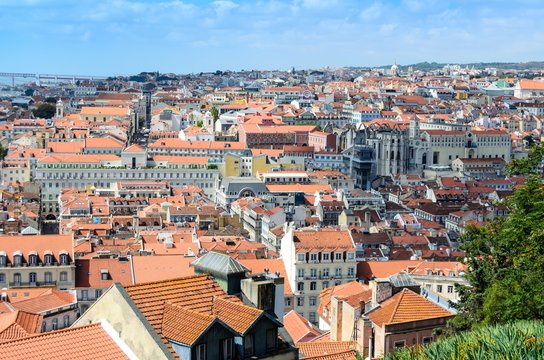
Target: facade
[315,260]
[37,260]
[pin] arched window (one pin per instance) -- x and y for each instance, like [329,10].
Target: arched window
[64,259]
[33,259]
[48,259]
[32,278]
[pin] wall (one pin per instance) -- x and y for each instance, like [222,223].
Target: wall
[115,307]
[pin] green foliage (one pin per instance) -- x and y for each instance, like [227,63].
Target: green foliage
[199,123]
[215,113]
[506,263]
[530,165]
[44,111]
[519,340]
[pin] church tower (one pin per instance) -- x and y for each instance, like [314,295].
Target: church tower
[60,109]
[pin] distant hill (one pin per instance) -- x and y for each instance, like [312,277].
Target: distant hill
[427,66]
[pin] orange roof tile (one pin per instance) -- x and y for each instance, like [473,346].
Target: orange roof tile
[134,148]
[50,299]
[19,324]
[161,267]
[273,266]
[238,316]
[322,348]
[82,342]
[330,239]
[105,111]
[406,306]
[298,328]
[176,319]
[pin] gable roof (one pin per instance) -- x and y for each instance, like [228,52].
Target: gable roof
[19,324]
[322,348]
[238,316]
[299,328]
[134,148]
[406,306]
[175,324]
[81,342]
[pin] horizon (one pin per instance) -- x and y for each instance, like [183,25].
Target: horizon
[182,37]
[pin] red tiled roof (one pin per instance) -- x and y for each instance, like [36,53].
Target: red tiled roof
[19,324]
[298,328]
[50,299]
[81,342]
[176,320]
[314,350]
[406,306]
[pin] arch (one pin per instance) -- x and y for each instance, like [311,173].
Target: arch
[156,223]
[50,217]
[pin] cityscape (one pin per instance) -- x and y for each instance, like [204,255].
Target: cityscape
[389,207]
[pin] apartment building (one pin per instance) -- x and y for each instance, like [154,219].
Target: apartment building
[315,260]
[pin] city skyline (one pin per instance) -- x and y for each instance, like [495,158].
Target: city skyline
[125,37]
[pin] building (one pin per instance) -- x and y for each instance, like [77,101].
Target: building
[315,260]
[37,260]
[526,89]
[188,318]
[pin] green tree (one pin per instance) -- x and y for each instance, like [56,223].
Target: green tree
[44,111]
[199,123]
[215,113]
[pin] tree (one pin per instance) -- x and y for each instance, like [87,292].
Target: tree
[44,111]
[506,257]
[199,123]
[215,113]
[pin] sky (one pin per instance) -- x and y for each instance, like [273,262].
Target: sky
[121,37]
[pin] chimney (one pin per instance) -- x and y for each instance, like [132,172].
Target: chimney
[381,290]
[336,318]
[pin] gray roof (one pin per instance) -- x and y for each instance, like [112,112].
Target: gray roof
[219,263]
[236,184]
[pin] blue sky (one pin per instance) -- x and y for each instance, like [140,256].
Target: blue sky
[182,36]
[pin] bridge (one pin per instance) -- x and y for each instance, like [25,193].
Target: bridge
[39,77]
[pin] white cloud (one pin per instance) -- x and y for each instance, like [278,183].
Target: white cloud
[372,12]
[223,6]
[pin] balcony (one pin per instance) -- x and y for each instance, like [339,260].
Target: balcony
[18,284]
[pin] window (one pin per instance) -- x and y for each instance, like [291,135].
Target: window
[313,273]
[48,277]
[300,273]
[104,274]
[399,344]
[313,257]
[450,289]
[287,301]
[227,349]
[85,295]
[97,293]
[325,272]
[17,260]
[439,288]
[32,278]
[66,321]
[313,285]
[2,278]
[33,260]
[300,286]
[271,339]
[312,300]
[48,259]
[63,276]
[301,257]
[312,316]
[17,278]
[325,284]
[55,324]
[3,260]
[351,256]
[248,345]
[338,272]
[351,272]
[300,301]
[201,352]
[64,259]
[338,256]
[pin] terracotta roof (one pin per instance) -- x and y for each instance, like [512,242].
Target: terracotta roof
[353,292]
[89,272]
[176,320]
[49,299]
[19,324]
[299,328]
[406,306]
[82,342]
[105,110]
[134,148]
[316,349]
[194,293]
[273,265]
[161,267]
[238,316]
[324,239]
[346,355]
